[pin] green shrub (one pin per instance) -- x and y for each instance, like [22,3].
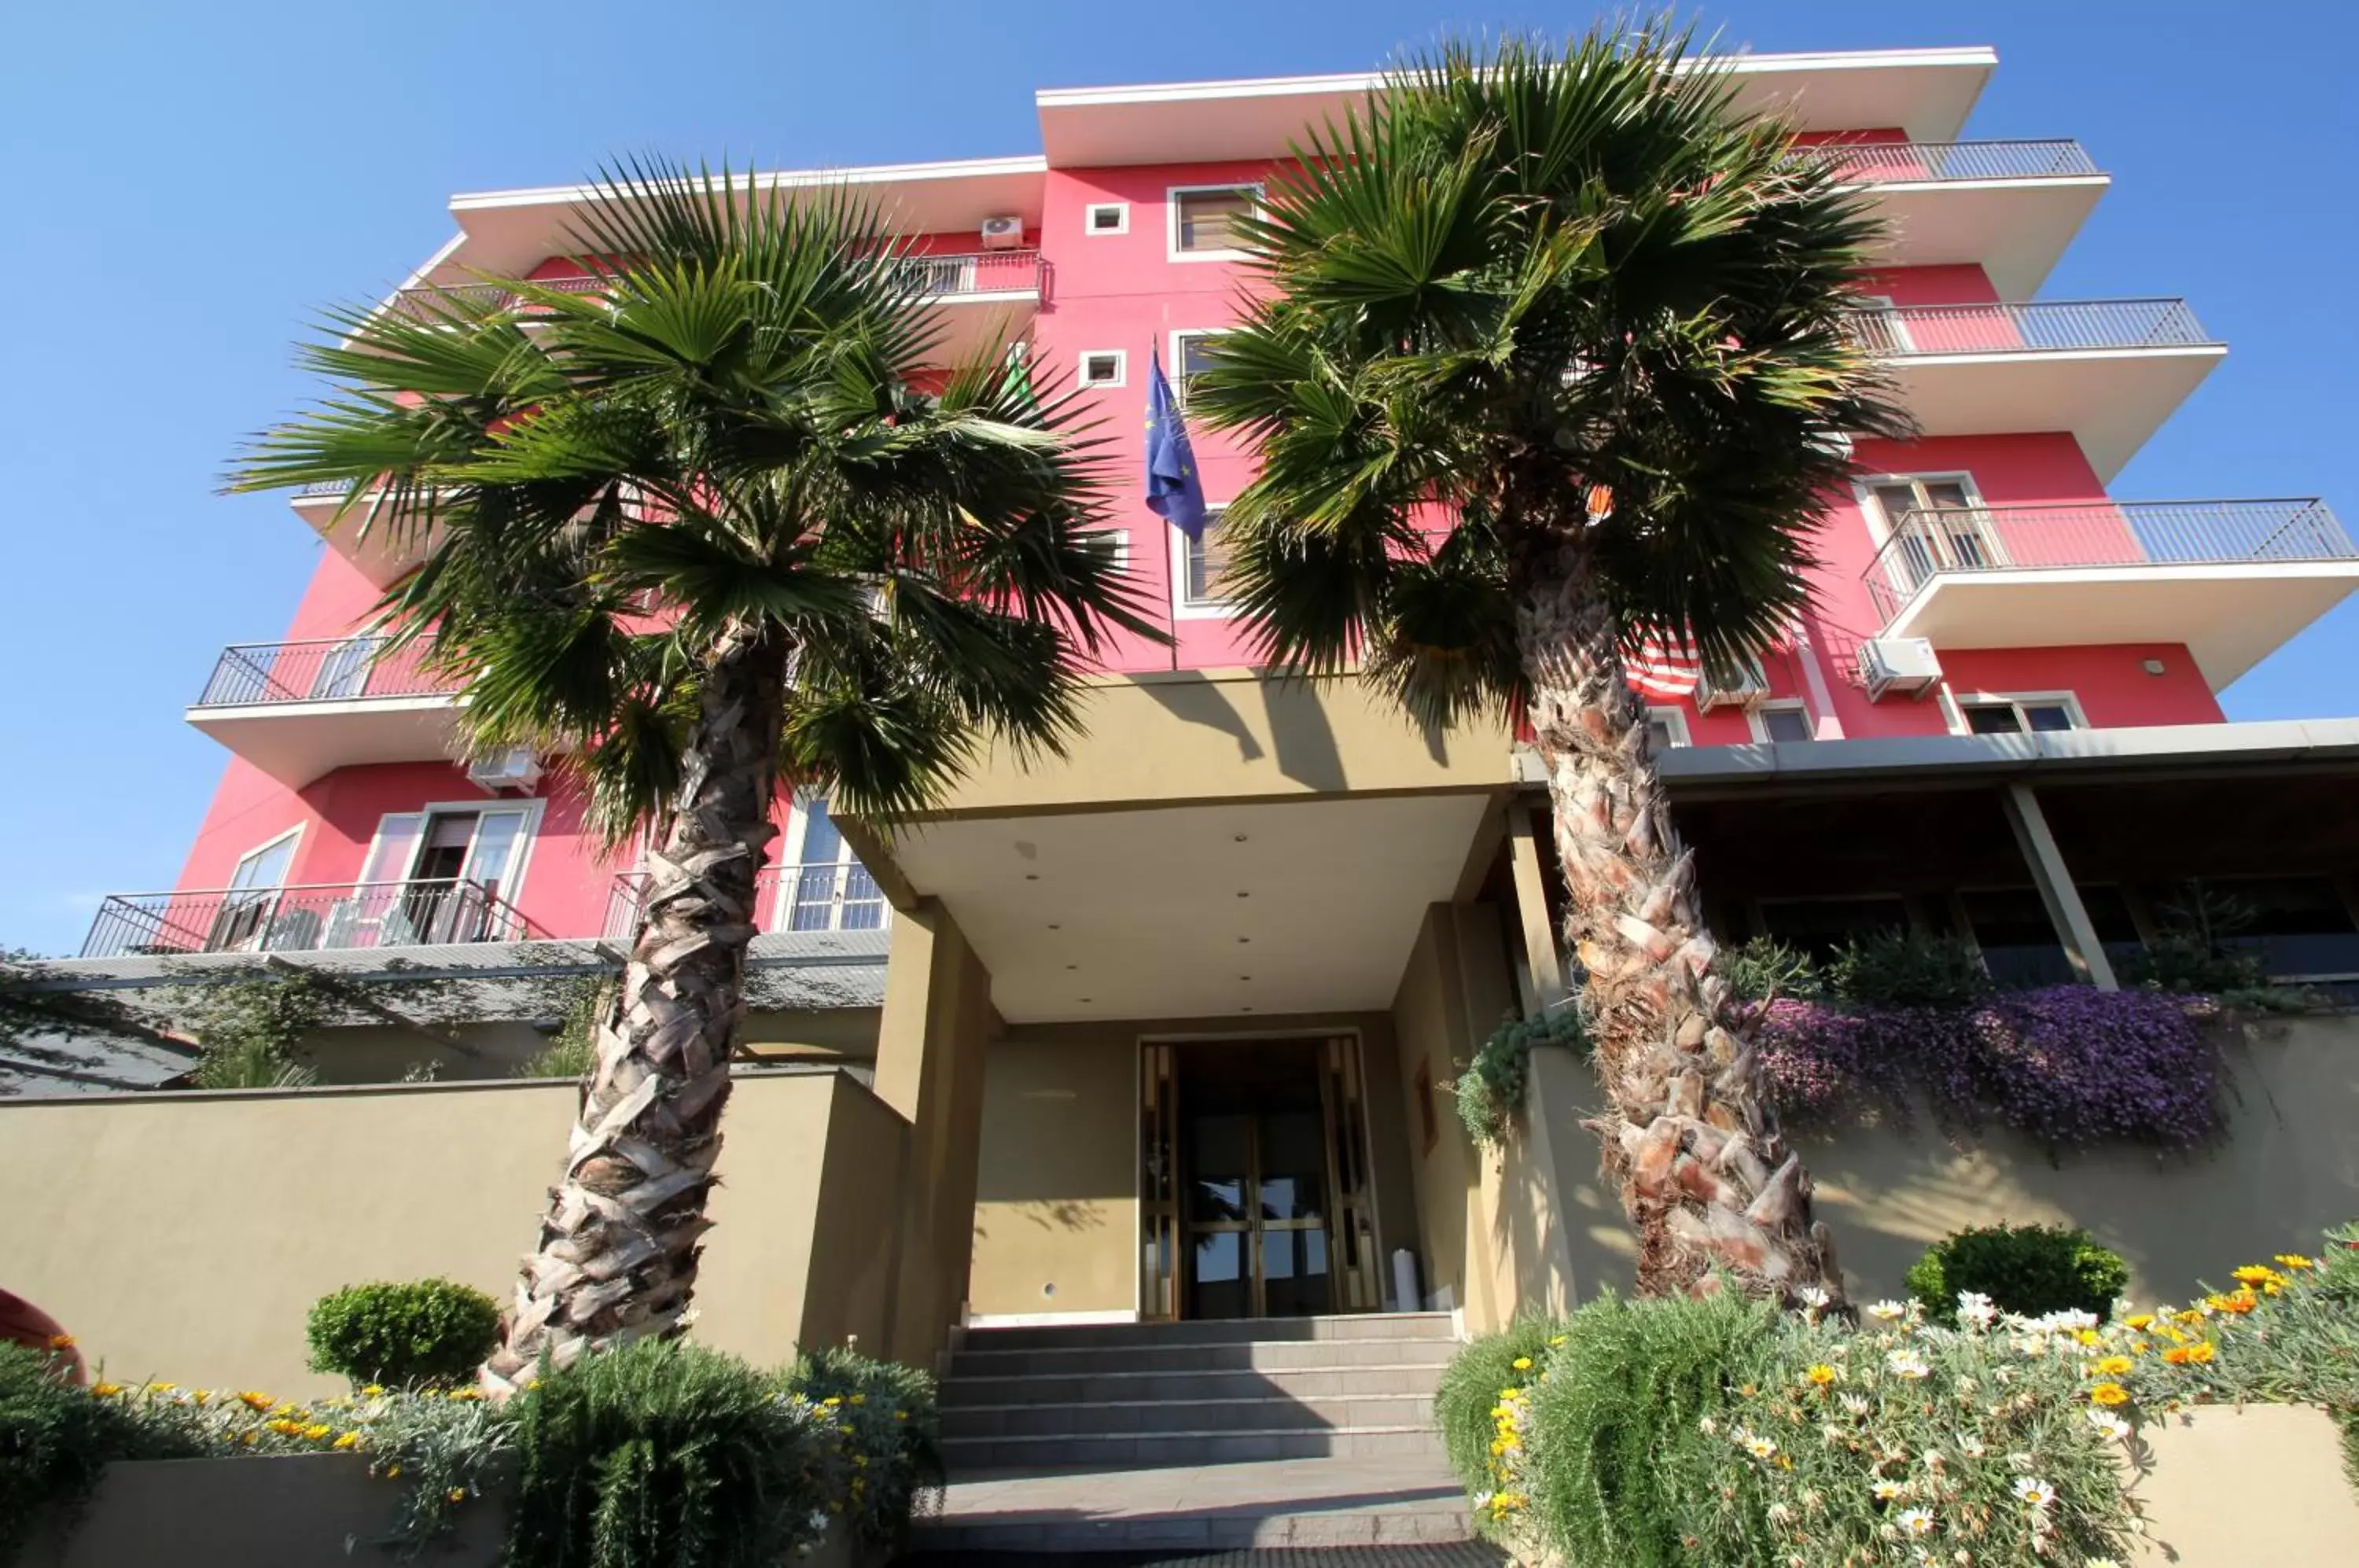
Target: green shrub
[663,1454]
[1616,1450]
[2196,950]
[1765,968]
[2029,1270]
[1490,1090]
[56,1437]
[891,1465]
[573,1051]
[1905,969]
[424,1333]
[1470,1386]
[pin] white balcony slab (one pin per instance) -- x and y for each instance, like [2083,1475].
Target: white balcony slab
[295,742]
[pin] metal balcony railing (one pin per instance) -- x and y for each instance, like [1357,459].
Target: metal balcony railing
[2043,326]
[1929,544]
[437,303]
[833,895]
[984,272]
[329,670]
[310,919]
[1906,163]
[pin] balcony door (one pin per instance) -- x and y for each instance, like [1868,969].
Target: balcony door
[433,877]
[821,884]
[1933,524]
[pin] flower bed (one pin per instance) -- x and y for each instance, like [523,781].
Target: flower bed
[1723,1431]
[2068,1065]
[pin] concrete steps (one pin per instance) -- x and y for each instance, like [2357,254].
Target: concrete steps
[1146,1395]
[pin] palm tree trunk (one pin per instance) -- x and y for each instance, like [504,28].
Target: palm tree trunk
[1692,1137]
[618,1247]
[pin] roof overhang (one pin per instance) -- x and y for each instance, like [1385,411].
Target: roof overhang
[297,742]
[2015,229]
[1927,94]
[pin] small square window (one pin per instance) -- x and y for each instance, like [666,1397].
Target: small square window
[2018,715]
[1665,727]
[1107,218]
[1785,725]
[1203,221]
[2046,718]
[1103,367]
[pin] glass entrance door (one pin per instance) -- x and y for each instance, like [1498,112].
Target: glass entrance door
[1247,1210]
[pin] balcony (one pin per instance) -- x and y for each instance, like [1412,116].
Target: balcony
[298,709]
[2110,371]
[323,918]
[2233,580]
[824,896]
[2010,206]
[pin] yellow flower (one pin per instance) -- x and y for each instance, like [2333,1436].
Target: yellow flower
[2198,1354]
[831,1401]
[316,1431]
[1557,1339]
[61,1342]
[1820,1373]
[373,1389]
[2089,1336]
[106,1390]
[457,1494]
[286,1428]
[2237,1301]
[256,1399]
[2111,1366]
[161,1388]
[1521,1364]
[349,1440]
[900,1415]
[2139,1321]
[2109,1394]
[2296,1261]
[859,1399]
[466,1393]
[2259,1274]
[392,1472]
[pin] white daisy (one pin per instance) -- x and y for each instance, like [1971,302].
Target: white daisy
[2034,1491]
[1915,1521]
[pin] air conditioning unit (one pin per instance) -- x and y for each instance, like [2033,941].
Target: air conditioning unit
[1004,233]
[1743,686]
[1902,664]
[513,768]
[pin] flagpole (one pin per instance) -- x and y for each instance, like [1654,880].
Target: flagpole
[1171,582]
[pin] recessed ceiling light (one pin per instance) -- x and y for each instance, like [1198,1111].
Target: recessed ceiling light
[1073,966]
[1085,998]
[1244,1009]
[1054,926]
[1244,894]
[1031,876]
[1241,838]
[1244,976]
[1243,939]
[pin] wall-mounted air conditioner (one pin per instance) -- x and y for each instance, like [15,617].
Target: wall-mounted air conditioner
[512,767]
[1003,233]
[1732,686]
[1902,664]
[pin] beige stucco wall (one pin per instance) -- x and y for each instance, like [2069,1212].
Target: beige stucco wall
[1057,1195]
[2229,1487]
[1234,735]
[185,1236]
[2287,1167]
[1456,990]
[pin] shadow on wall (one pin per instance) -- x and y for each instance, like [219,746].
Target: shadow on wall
[2286,1167]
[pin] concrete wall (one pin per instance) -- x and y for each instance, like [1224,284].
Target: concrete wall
[1057,1186]
[2287,1167]
[185,1236]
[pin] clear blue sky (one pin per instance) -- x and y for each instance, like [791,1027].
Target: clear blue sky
[188,180]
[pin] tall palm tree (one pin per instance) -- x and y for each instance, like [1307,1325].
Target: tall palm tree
[704,532]
[1546,356]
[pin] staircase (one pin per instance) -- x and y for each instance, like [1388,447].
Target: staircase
[1265,1433]
[1143,1395]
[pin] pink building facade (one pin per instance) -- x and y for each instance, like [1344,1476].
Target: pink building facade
[1981,578]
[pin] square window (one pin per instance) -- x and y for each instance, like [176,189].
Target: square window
[1117,544]
[1107,218]
[1785,725]
[1103,367]
[1992,718]
[1203,221]
[2046,718]
[1666,728]
[1204,583]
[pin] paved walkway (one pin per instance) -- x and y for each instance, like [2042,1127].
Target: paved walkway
[1334,1502]
[1459,1554]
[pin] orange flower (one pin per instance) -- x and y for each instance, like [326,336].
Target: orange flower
[60,1342]
[2237,1301]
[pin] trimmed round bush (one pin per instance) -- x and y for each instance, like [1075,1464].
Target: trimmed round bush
[420,1334]
[2030,1269]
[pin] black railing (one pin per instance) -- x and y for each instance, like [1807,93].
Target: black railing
[331,916]
[326,670]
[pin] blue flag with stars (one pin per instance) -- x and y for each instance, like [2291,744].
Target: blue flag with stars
[1174,493]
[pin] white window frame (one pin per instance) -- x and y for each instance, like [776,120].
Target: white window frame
[1674,721]
[1177,378]
[1879,527]
[1954,705]
[1121,541]
[1121,358]
[1759,725]
[265,847]
[1171,194]
[1182,607]
[1885,306]
[1121,210]
[779,916]
[513,884]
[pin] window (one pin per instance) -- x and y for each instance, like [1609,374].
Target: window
[1107,218]
[1782,721]
[1819,926]
[1881,326]
[1934,523]
[2299,925]
[344,671]
[823,885]
[1665,727]
[1103,367]
[2032,715]
[1203,220]
[2017,939]
[1118,545]
[1200,567]
[1191,354]
[239,924]
[441,874]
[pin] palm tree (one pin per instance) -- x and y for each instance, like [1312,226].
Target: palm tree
[1546,356]
[702,531]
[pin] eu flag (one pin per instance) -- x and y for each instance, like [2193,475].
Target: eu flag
[1173,490]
